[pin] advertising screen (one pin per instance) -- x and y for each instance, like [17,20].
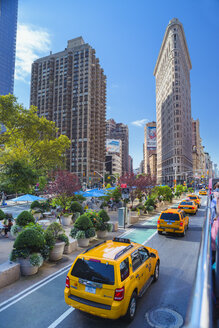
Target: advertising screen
[113,146]
[151,138]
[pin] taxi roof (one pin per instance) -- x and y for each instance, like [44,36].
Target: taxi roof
[192,195]
[110,250]
[172,210]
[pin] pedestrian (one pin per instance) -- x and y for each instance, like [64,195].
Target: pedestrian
[8,227]
[214,231]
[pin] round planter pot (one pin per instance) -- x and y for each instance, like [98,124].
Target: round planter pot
[102,234]
[83,242]
[56,253]
[66,220]
[27,269]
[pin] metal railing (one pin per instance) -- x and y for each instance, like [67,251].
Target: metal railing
[200,311]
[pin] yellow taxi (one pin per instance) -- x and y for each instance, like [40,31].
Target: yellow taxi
[188,206]
[195,198]
[203,192]
[106,279]
[173,220]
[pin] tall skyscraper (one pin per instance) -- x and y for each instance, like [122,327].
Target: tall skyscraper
[120,131]
[8,30]
[173,106]
[150,144]
[69,88]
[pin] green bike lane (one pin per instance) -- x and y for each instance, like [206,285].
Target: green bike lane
[146,230]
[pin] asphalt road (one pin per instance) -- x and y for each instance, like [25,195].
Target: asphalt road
[163,305]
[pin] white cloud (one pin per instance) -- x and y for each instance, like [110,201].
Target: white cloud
[32,43]
[140,123]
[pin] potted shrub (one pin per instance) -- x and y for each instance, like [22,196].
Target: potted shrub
[2,215]
[26,250]
[83,230]
[77,210]
[102,226]
[24,218]
[54,240]
[66,218]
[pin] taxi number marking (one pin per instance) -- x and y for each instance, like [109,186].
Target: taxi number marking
[149,267]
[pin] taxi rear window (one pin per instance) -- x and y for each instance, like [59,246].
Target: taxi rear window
[186,203]
[94,271]
[192,197]
[170,216]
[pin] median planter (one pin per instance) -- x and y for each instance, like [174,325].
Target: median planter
[56,252]
[83,242]
[66,220]
[27,269]
[102,234]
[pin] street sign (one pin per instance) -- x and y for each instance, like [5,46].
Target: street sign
[125,193]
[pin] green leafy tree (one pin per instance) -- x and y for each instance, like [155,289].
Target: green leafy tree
[30,137]
[18,175]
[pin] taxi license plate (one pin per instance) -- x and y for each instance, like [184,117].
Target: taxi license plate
[169,230]
[90,289]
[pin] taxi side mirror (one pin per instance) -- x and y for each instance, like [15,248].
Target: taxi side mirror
[152,255]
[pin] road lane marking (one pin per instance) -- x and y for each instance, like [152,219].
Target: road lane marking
[149,238]
[36,284]
[61,318]
[31,291]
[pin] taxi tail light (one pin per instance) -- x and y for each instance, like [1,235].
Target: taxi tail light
[193,207]
[67,282]
[179,206]
[119,294]
[158,221]
[181,223]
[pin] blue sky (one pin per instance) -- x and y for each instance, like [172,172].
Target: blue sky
[127,36]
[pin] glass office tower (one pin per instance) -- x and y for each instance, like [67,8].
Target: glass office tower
[8,29]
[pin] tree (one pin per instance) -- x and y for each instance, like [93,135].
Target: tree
[30,137]
[63,185]
[137,184]
[18,176]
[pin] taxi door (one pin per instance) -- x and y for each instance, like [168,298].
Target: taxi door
[140,268]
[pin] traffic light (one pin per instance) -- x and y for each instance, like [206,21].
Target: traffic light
[94,173]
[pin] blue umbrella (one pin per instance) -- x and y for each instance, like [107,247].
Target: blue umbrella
[27,198]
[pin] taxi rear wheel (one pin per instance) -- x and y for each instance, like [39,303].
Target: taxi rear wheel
[156,271]
[130,314]
[183,233]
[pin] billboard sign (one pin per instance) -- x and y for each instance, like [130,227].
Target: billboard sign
[113,146]
[151,137]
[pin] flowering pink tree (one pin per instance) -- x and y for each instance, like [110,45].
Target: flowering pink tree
[63,186]
[137,184]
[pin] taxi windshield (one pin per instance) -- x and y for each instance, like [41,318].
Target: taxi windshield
[94,271]
[186,203]
[170,216]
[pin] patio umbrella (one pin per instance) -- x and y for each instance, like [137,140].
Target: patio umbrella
[27,198]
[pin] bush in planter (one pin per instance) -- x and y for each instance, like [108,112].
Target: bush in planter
[83,223]
[64,238]
[76,207]
[30,239]
[2,215]
[83,227]
[150,202]
[103,215]
[24,218]
[35,204]
[102,225]
[149,208]
[93,215]
[104,204]
[36,259]
[15,229]
[55,228]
